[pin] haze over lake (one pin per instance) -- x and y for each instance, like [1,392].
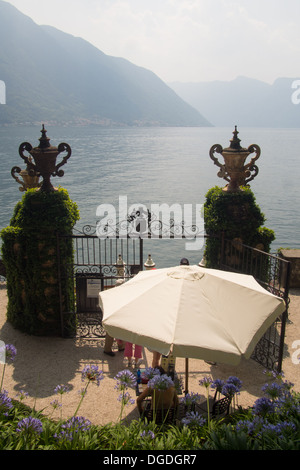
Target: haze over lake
[161,165]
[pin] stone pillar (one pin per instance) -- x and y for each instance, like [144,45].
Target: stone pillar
[29,253]
[293,255]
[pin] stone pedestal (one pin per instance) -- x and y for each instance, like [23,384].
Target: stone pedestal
[293,255]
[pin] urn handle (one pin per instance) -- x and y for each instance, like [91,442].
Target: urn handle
[31,168]
[251,170]
[223,172]
[253,148]
[63,147]
[13,172]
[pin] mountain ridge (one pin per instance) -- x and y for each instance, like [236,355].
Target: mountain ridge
[52,76]
[244,101]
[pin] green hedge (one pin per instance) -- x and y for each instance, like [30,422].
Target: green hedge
[29,253]
[237,216]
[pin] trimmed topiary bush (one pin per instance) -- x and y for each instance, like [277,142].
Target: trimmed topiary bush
[29,253]
[237,216]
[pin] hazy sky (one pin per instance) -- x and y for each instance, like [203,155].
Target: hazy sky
[185,40]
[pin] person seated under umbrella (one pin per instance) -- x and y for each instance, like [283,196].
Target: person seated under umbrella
[162,391]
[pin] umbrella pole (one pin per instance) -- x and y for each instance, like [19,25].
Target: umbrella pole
[186,375]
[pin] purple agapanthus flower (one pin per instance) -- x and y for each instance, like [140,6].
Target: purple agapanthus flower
[217,385]
[146,434]
[274,374]
[77,423]
[61,389]
[5,402]
[193,418]
[29,425]
[190,398]
[263,406]
[231,387]
[161,382]
[73,427]
[21,395]
[55,404]
[126,399]
[250,427]
[229,390]
[11,352]
[235,381]
[150,372]
[206,381]
[125,379]
[92,374]
[275,390]
[277,430]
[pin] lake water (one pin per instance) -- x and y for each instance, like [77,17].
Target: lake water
[161,165]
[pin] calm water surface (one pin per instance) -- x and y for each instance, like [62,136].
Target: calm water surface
[161,165]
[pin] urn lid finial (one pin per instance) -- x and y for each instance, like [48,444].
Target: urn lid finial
[44,140]
[235,141]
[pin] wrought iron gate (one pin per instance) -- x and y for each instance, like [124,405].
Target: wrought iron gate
[273,273]
[97,265]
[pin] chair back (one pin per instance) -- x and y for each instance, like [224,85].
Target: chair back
[221,407]
[161,416]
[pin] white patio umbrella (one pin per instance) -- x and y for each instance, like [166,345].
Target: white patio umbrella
[192,311]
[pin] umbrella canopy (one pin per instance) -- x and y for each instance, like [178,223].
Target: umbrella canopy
[195,312]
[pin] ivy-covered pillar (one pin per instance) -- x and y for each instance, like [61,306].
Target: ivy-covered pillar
[236,217]
[232,212]
[29,252]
